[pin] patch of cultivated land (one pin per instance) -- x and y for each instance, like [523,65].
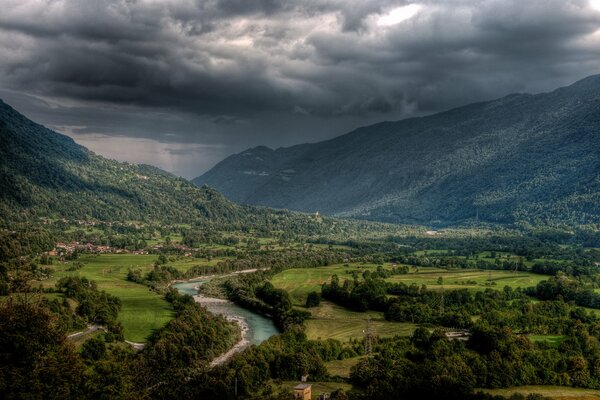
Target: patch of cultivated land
[553,340]
[333,321]
[469,279]
[142,309]
[298,282]
[553,392]
[342,367]
[330,321]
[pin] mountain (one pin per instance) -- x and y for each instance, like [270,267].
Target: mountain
[46,174]
[523,157]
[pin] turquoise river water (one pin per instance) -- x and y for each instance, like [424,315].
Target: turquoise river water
[260,328]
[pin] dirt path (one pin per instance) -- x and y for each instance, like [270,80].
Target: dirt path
[90,329]
[95,328]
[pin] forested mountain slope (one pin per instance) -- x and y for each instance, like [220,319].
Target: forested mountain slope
[43,173]
[523,157]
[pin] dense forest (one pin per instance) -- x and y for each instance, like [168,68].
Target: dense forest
[520,158]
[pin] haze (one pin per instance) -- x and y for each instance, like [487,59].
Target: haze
[183,84]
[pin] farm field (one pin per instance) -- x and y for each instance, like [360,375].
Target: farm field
[330,321]
[142,310]
[470,279]
[342,367]
[553,340]
[553,392]
[298,282]
[486,256]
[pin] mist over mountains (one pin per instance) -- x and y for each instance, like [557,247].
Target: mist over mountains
[523,157]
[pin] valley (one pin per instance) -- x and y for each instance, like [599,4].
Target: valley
[122,281]
[521,158]
[423,269]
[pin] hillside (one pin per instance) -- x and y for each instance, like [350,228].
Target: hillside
[523,157]
[43,173]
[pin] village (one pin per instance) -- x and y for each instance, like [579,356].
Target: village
[66,250]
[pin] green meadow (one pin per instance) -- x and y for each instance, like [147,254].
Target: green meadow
[552,340]
[342,368]
[143,310]
[298,282]
[330,321]
[473,279]
[301,281]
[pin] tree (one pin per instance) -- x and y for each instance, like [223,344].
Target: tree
[93,349]
[162,259]
[36,361]
[313,299]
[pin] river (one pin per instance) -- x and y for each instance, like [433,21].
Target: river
[260,328]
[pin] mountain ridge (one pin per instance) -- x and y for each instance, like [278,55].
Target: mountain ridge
[47,174]
[412,170]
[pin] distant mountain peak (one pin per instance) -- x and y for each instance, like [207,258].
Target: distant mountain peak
[522,157]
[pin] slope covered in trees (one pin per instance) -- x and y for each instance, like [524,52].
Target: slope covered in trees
[523,157]
[43,173]
[46,174]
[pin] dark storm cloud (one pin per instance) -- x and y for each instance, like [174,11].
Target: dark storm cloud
[236,73]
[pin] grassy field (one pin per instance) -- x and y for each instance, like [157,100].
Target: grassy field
[143,310]
[487,256]
[553,340]
[298,282]
[330,321]
[342,367]
[470,279]
[554,392]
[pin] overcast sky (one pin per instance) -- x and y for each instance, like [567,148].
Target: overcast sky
[181,84]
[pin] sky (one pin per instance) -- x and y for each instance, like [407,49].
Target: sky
[182,84]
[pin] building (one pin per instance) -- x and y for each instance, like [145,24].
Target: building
[302,391]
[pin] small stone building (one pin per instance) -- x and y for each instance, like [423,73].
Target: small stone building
[302,391]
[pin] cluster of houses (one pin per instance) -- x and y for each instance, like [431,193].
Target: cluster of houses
[65,249]
[187,251]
